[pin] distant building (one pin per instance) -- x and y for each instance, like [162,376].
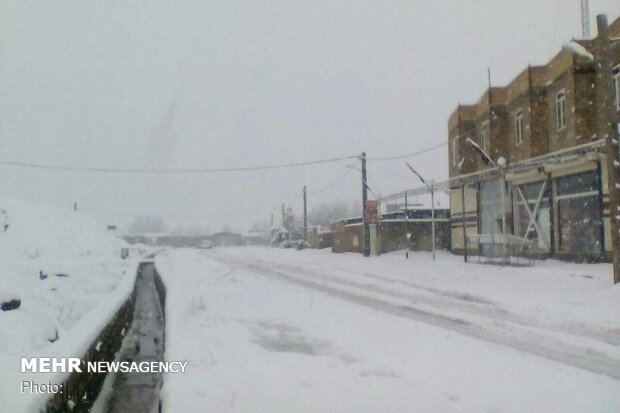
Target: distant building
[544,124]
[256,238]
[410,229]
[226,239]
[319,238]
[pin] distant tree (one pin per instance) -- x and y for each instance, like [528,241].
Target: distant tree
[325,214]
[292,224]
[227,228]
[259,226]
[146,224]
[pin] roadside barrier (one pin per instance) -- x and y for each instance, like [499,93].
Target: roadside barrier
[82,388]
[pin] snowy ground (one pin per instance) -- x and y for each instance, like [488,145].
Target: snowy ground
[304,331]
[62,314]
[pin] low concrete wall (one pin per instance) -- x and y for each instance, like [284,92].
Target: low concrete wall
[394,236]
[83,388]
[347,238]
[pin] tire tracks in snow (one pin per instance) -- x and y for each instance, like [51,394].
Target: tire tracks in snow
[451,300]
[498,326]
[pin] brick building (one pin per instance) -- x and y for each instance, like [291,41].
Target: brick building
[399,230]
[553,188]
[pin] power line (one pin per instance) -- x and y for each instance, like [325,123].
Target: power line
[34,165]
[409,155]
[172,171]
[333,184]
[390,172]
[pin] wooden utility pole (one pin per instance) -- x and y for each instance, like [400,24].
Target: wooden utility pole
[365,225]
[605,105]
[407,226]
[305,216]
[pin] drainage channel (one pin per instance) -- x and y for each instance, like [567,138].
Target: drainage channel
[135,392]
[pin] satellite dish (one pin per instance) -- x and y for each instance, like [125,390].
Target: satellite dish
[501,161]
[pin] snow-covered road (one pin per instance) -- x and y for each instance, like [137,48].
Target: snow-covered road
[273,330]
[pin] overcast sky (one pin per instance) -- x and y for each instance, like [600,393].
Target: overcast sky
[203,84]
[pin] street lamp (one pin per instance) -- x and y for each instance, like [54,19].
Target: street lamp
[430,188]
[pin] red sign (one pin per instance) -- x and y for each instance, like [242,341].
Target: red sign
[371,212]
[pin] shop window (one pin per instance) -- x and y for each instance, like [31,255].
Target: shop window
[491,213]
[531,192]
[579,213]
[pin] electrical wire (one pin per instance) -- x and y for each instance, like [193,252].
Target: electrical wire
[409,155]
[173,171]
[333,184]
[385,170]
[66,168]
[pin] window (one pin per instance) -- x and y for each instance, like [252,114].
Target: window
[579,213]
[519,128]
[455,151]
[491,222]
[560,110]
[522,227]
[616,78]
[484,136]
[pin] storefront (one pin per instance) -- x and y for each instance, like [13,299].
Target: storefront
[564,211]
[493,199]
[538,197]
[578,205]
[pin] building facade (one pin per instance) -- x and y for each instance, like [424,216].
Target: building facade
[550,191]
[405,229]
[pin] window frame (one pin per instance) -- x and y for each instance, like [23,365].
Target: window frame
[560,110]
[455,150]
[484,136]
[616,82]
[518,127]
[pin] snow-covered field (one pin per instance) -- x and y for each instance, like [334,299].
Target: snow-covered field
[83,284]
[309,331]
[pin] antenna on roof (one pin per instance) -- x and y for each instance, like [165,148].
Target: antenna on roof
[489,76]
[585,19]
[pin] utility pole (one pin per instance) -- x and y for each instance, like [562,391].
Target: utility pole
[407,226]
[305,216]
[606,117]
[75,206]
[365,225]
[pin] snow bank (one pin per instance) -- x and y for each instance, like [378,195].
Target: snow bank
[66,270]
